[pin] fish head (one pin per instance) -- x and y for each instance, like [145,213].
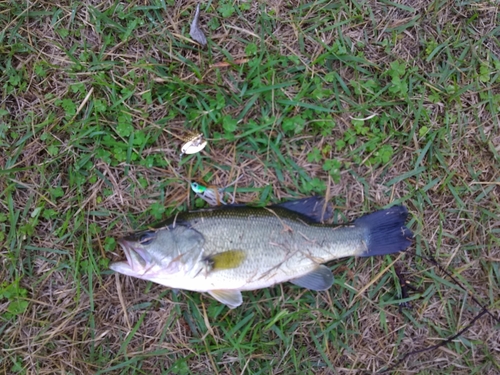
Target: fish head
[160,255]
[138,259]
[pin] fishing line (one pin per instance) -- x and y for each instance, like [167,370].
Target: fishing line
[433,260]
[484,311]
[442,343]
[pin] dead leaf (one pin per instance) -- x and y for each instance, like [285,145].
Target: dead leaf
[195,31]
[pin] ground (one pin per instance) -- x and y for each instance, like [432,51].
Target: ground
[367,103]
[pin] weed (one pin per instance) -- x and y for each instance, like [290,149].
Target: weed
[370,104]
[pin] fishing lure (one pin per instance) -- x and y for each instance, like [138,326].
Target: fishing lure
[213,195]
[193,145]
[210,194]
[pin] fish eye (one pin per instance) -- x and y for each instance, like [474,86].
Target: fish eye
[147,237]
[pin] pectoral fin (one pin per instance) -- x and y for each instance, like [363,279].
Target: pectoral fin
[230,298]
[226,260]
[319,279]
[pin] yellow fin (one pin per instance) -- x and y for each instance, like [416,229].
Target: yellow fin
[226,260]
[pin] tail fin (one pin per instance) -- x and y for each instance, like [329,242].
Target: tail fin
[387,232]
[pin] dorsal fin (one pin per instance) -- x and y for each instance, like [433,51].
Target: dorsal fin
[312,207]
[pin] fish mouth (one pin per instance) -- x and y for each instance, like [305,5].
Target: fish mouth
[136,261]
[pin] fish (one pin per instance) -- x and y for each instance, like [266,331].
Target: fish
[224,251]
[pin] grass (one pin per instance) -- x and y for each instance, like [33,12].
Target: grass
[369,104]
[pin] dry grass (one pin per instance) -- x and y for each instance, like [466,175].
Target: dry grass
[71,180]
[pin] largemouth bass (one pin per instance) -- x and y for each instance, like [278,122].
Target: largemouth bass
[224,251]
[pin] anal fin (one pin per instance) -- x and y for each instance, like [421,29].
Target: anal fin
[319,279]
[230,298]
